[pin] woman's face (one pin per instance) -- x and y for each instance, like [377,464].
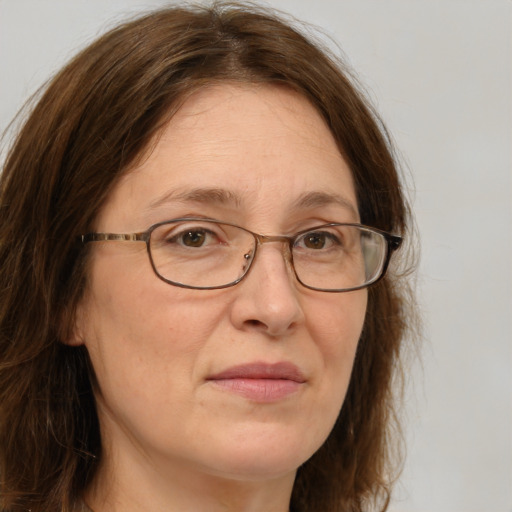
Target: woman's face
[244,382]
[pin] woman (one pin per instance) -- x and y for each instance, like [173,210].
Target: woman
[197,219]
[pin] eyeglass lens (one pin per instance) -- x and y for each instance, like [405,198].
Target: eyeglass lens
[206,254]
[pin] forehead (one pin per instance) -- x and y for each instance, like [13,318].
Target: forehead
[259,146]
[233,106]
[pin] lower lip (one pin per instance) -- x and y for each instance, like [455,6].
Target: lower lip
[259,390]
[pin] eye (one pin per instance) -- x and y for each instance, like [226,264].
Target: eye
[188,235]
[193,238]
[317,240]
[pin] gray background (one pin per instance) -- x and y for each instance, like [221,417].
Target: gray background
[440,73]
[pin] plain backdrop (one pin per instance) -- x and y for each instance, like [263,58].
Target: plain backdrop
[440,72]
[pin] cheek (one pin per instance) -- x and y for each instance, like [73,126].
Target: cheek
[137,327]
[337,321]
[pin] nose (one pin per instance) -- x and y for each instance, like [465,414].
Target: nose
[268,299]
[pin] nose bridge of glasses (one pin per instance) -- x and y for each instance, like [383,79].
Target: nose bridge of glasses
[264,239]
[285,242]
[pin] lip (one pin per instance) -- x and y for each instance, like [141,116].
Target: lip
[260,382]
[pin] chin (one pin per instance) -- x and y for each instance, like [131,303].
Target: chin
[266,454]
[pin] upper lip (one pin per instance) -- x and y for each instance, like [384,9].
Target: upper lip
[259,370]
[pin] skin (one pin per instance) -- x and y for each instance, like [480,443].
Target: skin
[172,439]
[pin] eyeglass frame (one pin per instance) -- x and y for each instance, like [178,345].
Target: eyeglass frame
[393,243]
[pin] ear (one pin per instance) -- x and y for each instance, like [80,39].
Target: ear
[72,323]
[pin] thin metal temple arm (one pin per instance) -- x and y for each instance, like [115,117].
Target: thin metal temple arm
[127,237]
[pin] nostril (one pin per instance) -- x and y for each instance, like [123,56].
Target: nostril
[254,323]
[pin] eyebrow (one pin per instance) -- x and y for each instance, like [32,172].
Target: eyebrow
[320,199]
[200,195]
[220,196]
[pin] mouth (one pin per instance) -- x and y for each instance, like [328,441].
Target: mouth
[260,382]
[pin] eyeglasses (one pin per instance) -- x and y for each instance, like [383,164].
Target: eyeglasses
[207,254]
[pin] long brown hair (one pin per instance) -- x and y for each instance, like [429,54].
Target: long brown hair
[92,124]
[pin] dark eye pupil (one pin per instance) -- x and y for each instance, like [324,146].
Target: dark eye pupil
[314,241]
[194,238]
